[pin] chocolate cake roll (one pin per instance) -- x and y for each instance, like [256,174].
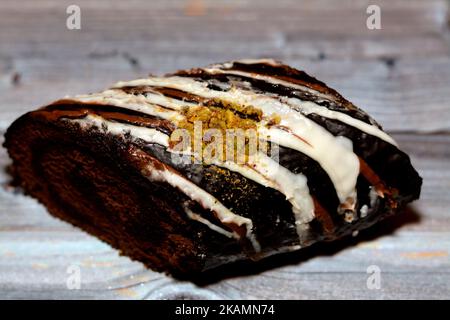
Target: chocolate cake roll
[199,168]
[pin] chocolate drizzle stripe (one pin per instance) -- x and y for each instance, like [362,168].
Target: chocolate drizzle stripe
[262,86]
[373,178]
[108,112]
[286,73]
[324,218]
[73,105]
[168,92]
[179,94]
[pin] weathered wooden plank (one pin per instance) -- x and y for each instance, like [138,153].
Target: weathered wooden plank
[405,268]
[282,29]
[165,18]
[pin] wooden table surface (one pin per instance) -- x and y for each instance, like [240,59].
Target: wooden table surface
[399,74]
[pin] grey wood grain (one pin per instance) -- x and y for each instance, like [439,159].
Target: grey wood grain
[399,74]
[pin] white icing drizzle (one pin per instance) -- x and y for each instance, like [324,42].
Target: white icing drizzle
[293,186]
[341,166]
[174,179]
[340,163]
[160,99]
[267,172]
[373,196]
[137,103]
[212,226]
[308,107]
[204,198]
[364,211]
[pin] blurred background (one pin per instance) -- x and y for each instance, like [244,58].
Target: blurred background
[399,73]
